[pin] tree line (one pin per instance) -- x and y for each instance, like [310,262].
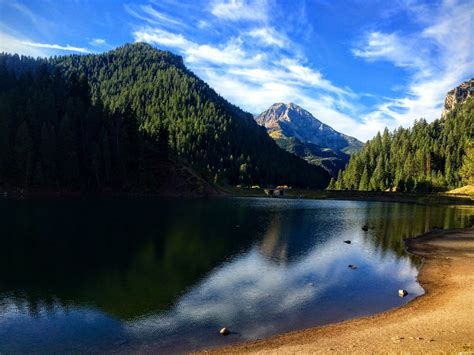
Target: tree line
[426,157]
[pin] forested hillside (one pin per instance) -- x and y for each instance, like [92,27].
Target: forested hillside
[427,157]
[332,161]
[52,135]
[218,139]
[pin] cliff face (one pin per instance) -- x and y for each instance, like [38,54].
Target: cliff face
[458,95]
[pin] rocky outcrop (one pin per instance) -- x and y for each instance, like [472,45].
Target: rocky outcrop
[458,96]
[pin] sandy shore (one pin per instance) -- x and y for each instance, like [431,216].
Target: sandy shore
[442,320]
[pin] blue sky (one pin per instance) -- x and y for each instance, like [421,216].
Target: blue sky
[357,65]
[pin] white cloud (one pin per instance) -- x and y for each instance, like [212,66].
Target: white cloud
[438,57]
[98,42]
[159,16]
[153,16]
[234,10]
[161,37]
[11,44]
[390,47]
[203,24]
[56,46]
[229,54]
[268,36]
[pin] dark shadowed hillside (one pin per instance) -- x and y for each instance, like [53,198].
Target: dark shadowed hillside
[54,138]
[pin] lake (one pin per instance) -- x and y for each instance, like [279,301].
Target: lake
[166,275]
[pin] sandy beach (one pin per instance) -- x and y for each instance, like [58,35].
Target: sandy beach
[442,320]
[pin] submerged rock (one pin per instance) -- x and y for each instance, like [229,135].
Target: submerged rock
[352,266]
[224,331]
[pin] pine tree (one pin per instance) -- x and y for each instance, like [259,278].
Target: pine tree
[364,181]
[467,169]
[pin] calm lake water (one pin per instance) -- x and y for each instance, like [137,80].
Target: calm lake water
[114,275]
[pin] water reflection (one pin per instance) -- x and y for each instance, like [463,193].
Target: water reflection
[108,275]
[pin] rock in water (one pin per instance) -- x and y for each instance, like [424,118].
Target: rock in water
[347,241]
[365,228]
[224,331]
[352,266]
[402,293]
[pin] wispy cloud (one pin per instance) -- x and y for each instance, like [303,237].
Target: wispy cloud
[234,10]
[162,37]
[153,16]
[438,57]
[56,46]
[11,44]
[100,44]
[41,24]
[393,48]
[268,36]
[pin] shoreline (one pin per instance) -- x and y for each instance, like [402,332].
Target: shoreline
[440,320]
[214,191]
[426,198]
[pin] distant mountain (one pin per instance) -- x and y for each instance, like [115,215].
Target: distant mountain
[290,120]
[299,132]
[219,140]
[426,157]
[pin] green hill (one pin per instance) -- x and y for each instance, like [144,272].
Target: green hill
[426,157]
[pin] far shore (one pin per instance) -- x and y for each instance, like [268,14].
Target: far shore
[207,190]
[442,320]
[426,198]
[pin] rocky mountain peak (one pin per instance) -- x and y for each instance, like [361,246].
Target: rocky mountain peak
[292,121]
[289,114]
[458,95]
